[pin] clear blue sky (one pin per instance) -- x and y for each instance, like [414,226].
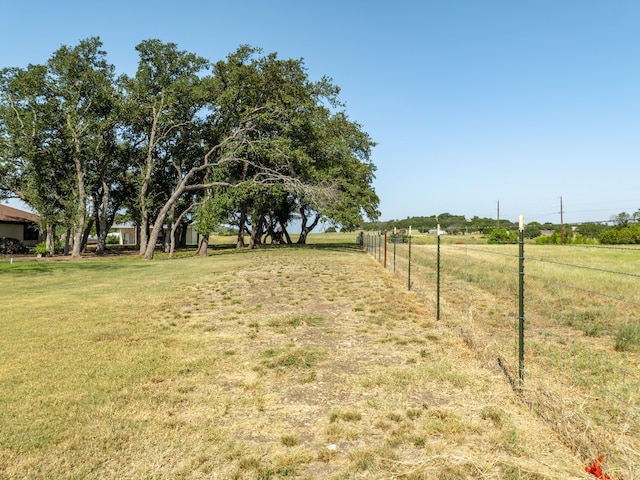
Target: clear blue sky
[471,101]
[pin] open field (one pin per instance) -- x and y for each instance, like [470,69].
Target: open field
[275,363]
[581,338]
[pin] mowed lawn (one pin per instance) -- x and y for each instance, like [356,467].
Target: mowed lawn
[274,363]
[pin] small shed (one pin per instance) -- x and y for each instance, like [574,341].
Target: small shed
[127,234]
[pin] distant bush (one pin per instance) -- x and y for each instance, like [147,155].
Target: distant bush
[578,239]
[502,235]
[41,248]
[553,239]
[532,230]
[112,240]
[569,238]
[620,236]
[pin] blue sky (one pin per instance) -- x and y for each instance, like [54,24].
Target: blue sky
[471,101]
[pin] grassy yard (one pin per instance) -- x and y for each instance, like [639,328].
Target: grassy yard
[275,363]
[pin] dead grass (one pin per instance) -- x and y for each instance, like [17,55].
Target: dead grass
[581,354]
[278,363]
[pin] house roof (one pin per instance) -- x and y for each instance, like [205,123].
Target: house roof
[13,215]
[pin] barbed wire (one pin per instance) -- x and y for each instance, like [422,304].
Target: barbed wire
[597,378]
[604,247]
[484,250]
[584,267]
[586,290]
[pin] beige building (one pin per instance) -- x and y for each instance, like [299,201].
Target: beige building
[127,234]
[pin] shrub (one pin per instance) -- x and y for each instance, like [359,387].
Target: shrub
[532,230]
[41,249]
[620,236]
[501,235]
[112,240]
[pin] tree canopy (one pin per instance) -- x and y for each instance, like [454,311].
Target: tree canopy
[248,141]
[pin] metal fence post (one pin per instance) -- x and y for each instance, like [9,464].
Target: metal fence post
[395,241]
[385,250]
[521,302]
[438,277]
[409,268]
[374,245]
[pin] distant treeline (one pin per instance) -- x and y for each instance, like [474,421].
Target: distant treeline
[452,224]
[623,228]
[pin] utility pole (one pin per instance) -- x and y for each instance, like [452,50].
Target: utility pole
[561,222]
[498,214]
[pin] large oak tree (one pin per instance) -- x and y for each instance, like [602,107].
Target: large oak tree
[253,140]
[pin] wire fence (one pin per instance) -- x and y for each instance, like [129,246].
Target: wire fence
[562,323]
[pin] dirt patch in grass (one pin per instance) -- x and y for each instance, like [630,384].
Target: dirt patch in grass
[331,353]
[300,364]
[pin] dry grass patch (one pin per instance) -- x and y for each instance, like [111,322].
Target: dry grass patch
[279,363]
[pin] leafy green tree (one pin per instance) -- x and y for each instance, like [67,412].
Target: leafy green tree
[257,138]
[341,159]
[161,106]
[55,129]
[81,83]
[590,230]
[319,159]
[502,236]
[31,166]
[620,236]
[163,110]
[532,230]
[621,220]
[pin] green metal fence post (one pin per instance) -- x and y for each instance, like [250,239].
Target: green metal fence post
[521,303]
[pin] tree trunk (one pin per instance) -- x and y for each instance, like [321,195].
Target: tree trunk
[144,189]
[302,240]
[182,242]
[51,239]
[203,245]
[172,239]
[167,239]
[162,215]
[256,233]
[144,232]
[68,239]
[241,224]
[78,229]
[102,213]
[286,235]
[85,234]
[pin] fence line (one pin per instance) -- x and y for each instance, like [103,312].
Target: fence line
[575,352]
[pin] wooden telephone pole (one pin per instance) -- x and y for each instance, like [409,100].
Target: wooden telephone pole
[561,222]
